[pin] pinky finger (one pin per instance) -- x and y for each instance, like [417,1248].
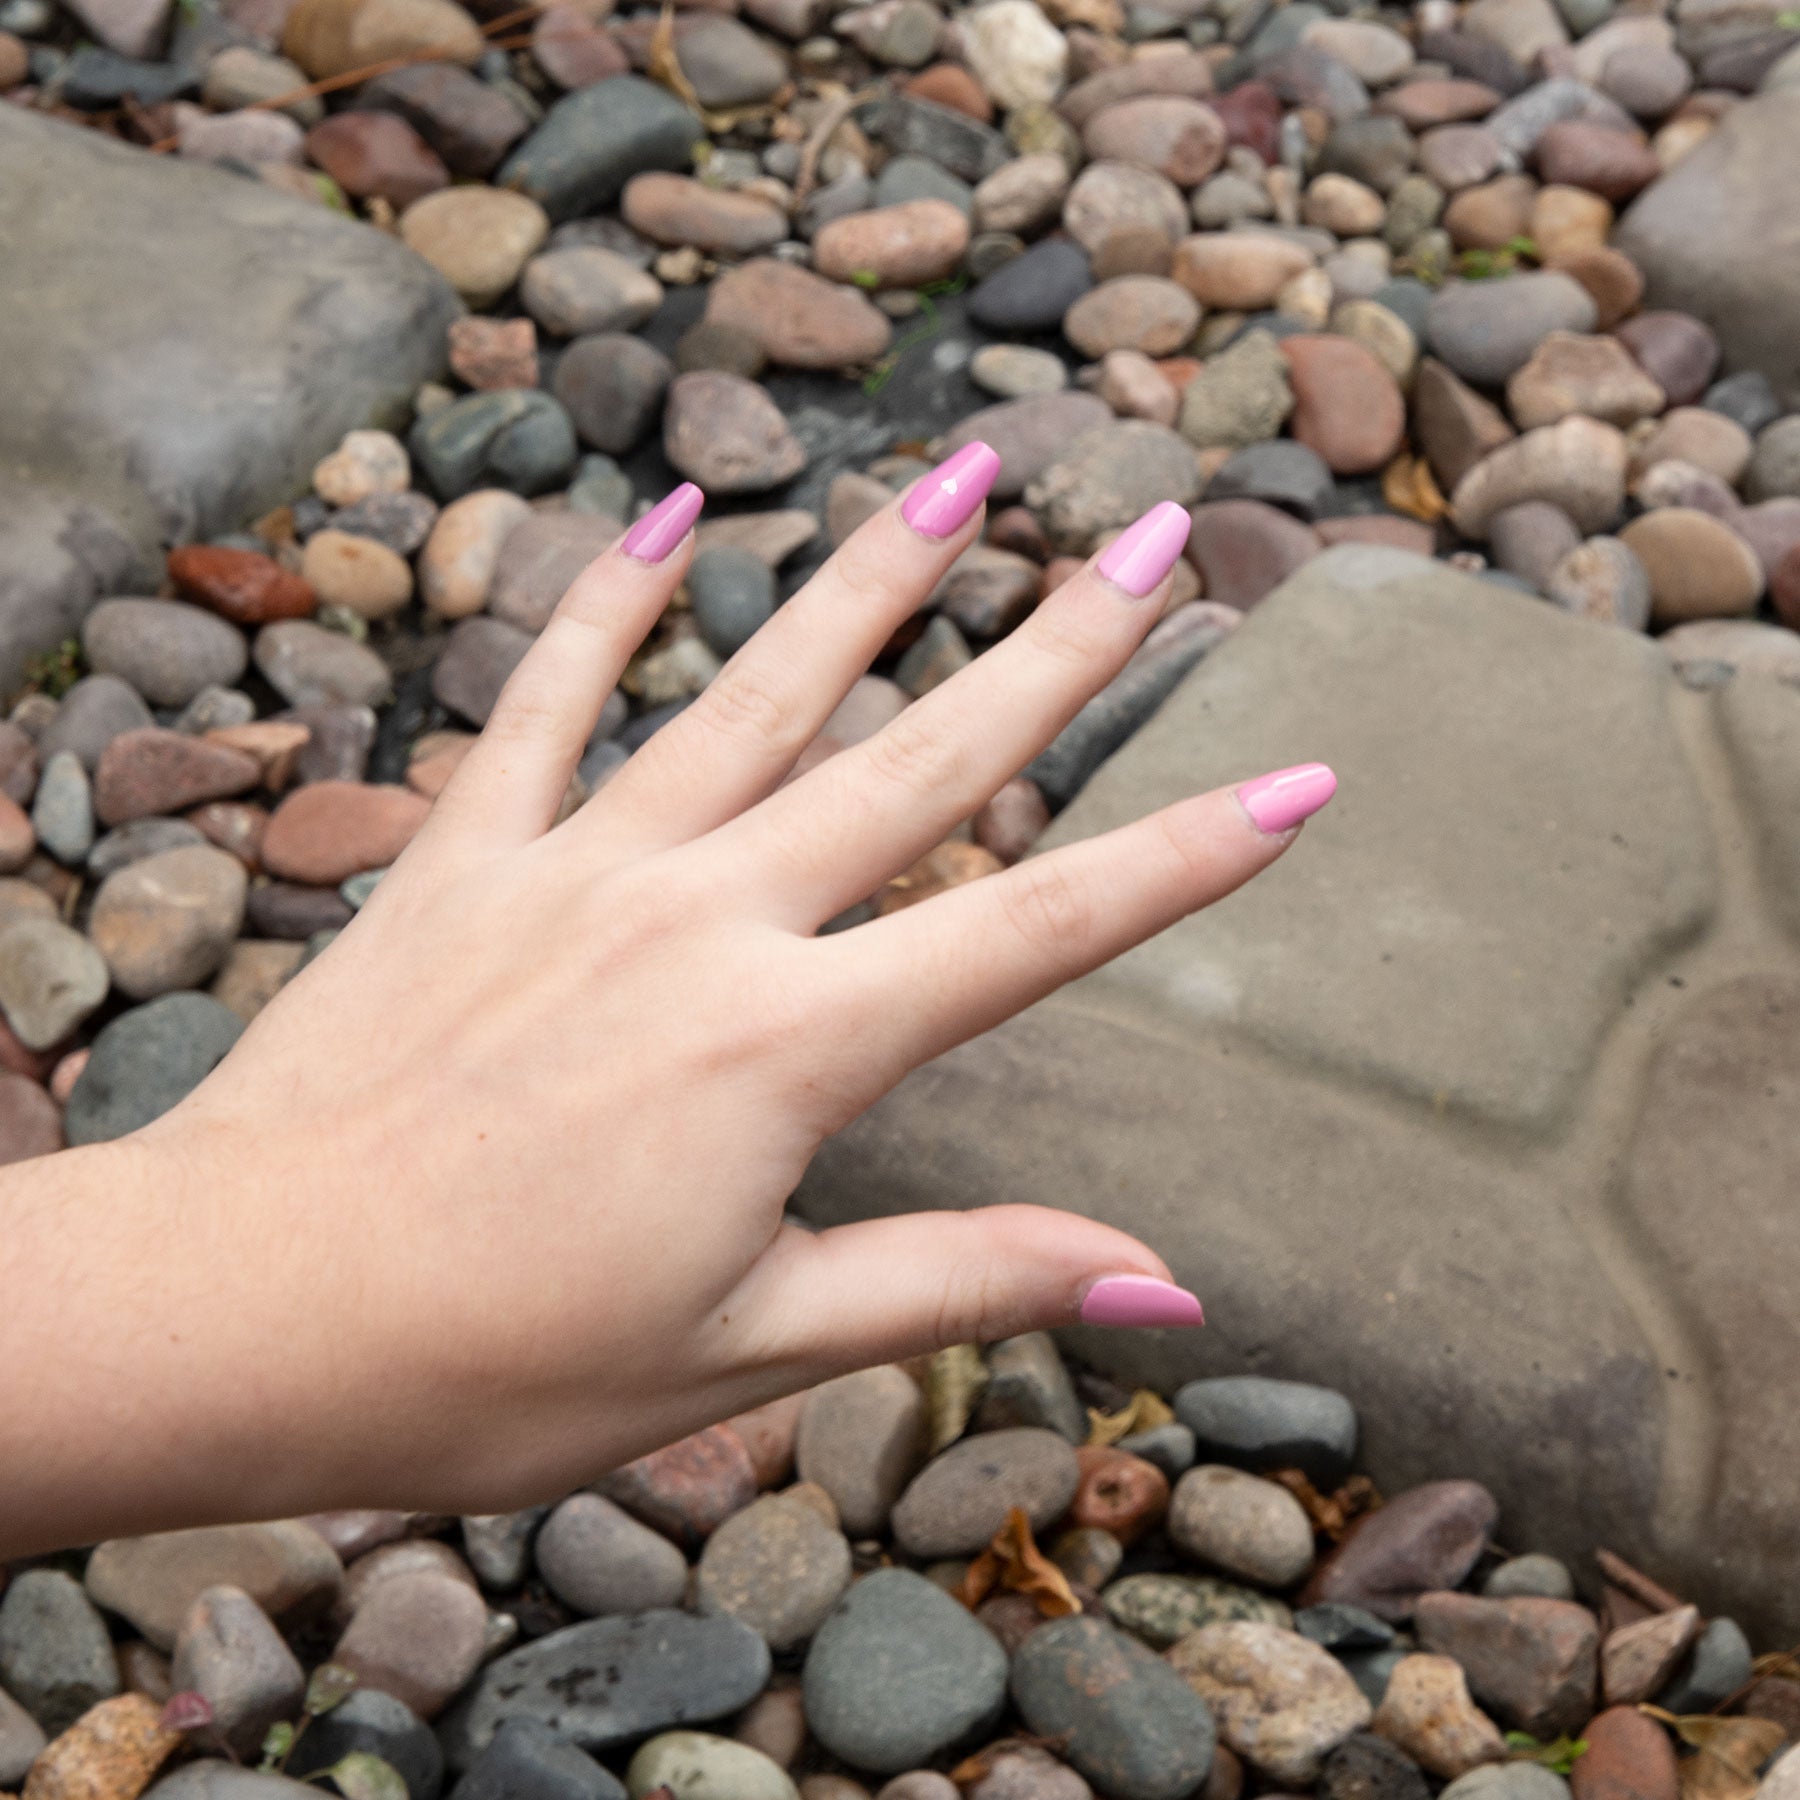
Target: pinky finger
[1000,943]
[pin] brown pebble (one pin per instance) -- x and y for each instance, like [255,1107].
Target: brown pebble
[687,1489]
[1628,1757]
[149,770]
[242,586]
[1119,1493]
[331,830]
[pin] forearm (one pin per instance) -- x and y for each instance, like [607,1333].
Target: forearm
[142,1333]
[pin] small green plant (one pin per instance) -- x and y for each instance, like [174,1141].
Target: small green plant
[928,327]
[866,279]
[1484,265]
[54,672]
[1559,1757]
[1789,20]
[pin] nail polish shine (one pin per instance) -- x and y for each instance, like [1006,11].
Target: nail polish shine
[1139,1300]
[945,500]
[1144,552]
[664,525]
[1278,802]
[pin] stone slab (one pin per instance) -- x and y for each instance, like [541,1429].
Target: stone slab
[1719,238]
[180,344]
[1379,1107]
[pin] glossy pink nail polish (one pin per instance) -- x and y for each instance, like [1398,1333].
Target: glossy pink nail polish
[664,525]
[1143,553]
[1278,802]
[946,499]
[1139,1300]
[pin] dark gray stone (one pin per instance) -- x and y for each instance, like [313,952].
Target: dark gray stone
[1261,1423]
[188,378]
[1029,1384]
[964,146]
[56,1658]
[1124,1717]
[1170,1447]
[1746,398]
[1372,1670]
[900,1672]
[1717,1666]
[1108,720]
[1033,291]
[906,178]
[95,78]
[381,1725]
[594,140]
[470,123]
[146,1061]
[1366,1767]
[139,838]
[529,1761]
[611,1681]
[612,385]
[517,438]
[733,596]
[1280,472]
[1485,330]
[401,521]
[1339,1626]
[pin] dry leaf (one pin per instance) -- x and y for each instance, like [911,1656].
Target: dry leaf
[1407,486]
[1782,1663]
[954,1379]
[662,65]
[1143,1412]
[1728,1753]
[1331,1514]
[1014,1562]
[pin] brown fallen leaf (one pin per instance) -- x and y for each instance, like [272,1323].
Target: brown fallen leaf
[1408,487]
[1728,1753]
[1331,1514]
[663,66]
[1014,1562]
[1143,1412]
[1782,1663]
[954,1379]
[980,1766]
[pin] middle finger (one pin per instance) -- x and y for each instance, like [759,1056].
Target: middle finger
[836,834]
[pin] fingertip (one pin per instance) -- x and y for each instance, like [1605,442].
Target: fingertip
[1278,802]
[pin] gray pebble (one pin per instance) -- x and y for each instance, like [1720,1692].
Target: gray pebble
[90,715]
[62,815]
[56,1658]
[597,1559]
[1259,1422]
[378,1723]
[144,1062]
[166,649]
[1530,1577]
[733,596]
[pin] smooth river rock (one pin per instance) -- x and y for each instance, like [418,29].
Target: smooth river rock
[1387,1107]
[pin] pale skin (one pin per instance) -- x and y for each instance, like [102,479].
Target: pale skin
[490,1199]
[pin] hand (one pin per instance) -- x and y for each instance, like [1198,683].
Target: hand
[489,1199]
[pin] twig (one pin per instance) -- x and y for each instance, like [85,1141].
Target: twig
[835,113]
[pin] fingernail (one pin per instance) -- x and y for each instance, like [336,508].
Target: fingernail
[1278,802]
[946,499]
[1142,554]
[664,525]
[1139,1300]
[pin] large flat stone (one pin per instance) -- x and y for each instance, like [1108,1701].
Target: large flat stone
[58,555]
[1375,1107]
[1719,238]
[180,344]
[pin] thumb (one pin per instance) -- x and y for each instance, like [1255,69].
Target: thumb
[893,1288]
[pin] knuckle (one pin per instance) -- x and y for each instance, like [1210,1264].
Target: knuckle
[910,755]
[746,708]
[1050,909]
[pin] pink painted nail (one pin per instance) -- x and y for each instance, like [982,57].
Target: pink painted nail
[1142,554]
[946,499]
[664,525]
[1139,1300]
[1278,802]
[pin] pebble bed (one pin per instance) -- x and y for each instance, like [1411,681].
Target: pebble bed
[1327,274]
[807,1603]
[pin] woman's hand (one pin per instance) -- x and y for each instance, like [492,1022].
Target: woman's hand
[489,1199]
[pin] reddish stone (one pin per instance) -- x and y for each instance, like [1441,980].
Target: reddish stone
[1677,351]
[245,588]
[65,1075]
[1628,1757]
[1776,1697]
[150,771]
[275,743]
[490,354]
[687,1490]
[1600,158]
[1379,528]
[1245,549]
[1530,1662]
[1784,588]
[768,1434]
[1119,1493]
[30,1121]
[15,1056]
[234,825]
[325,833]
[17,839]
[1610,277]
[573,51]
[1012,1618]
[1016,528]
[376,155]
[1251,112]
[953,87]
[1014,819]
[1178,371]
[430,775]
[1423,1540]
[1347,407]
